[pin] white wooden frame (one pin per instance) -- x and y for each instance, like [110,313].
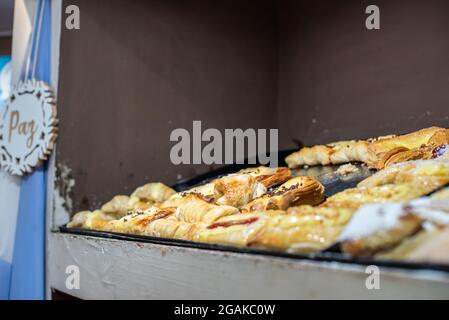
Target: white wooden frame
[114,269]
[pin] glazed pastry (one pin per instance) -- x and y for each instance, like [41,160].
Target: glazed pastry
[237,229]
[235,189]
[383,239]
[206,191]
[150,194]
[379,227]
[434,250]
[429,136]
[333,153]
[428,246]
[377,152]
[192,209]
[172,228]
[294,192]
[118,207]
[356,197]
[137,221]
[78,220]
[308,215]
[287,232]
[238,190]
[421,173]
[268,176]
[421,145]
[96,220]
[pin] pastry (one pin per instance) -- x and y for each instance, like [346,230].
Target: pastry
[150,194]
[377,152]
[118,207]
[287,232]
[268,176]
[294,192]
[379,227]
[356,197]
[193,209]
[238,190]
[172,228]
[332,153]
[237,229]
[96,220]
[421,173]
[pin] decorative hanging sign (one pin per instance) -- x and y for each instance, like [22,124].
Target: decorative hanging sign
[28,127]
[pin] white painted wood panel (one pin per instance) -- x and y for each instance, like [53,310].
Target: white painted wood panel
[113,269]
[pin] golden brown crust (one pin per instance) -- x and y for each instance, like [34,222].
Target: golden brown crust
[238,229]
[430,174]
[356,197]
[294,192]
[273,176]
[287,233]
[333,153]
[195,210]
[238,190]
[434,250]
[376,152]
[96,220]
[412,146]
[119,206]
[368,245]
[408,246]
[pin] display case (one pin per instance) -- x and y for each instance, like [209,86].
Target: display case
[136,71]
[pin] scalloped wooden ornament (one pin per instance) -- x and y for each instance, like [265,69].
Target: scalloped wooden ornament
[28,127]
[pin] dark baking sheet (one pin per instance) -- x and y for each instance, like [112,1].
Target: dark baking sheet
[325,174]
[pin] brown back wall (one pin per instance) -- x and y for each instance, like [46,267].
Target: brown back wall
[136,70]
[338,80]
[139,69]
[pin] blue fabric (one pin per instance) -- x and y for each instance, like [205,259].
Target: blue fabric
[5,276]
[3,61]
[28,266]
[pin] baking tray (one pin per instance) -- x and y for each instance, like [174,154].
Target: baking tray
[332,182]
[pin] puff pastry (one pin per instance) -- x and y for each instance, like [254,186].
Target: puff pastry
[356,197]
[142,198]
[238,190]
[149,195]
[193,209]
[235,189]
[376,152]
[427,246]
[332,153]
[294,192]
[430,174]
[383,239]
[137,221]
[173,228]
[433,249]
[118,207]
[96,220]
[268,176]
[289,233]
[237,229]
[376,228]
